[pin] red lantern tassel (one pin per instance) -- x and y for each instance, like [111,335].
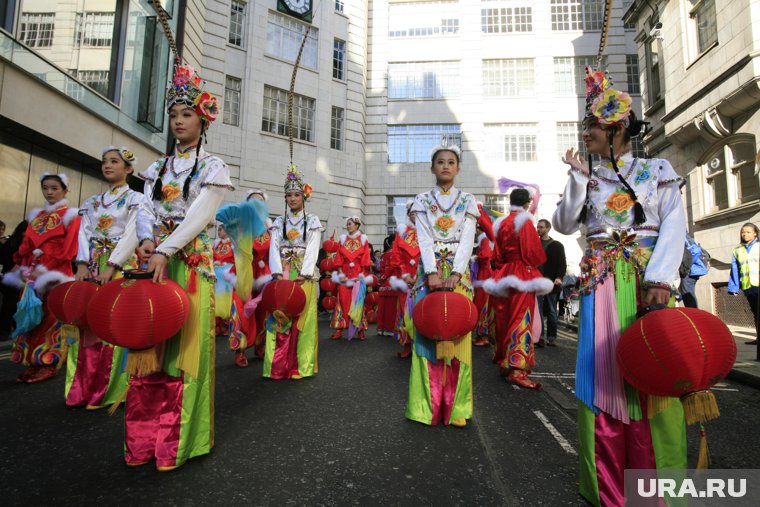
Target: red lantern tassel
[120,399]
[704,454]
[700,406]
[191,285]
[142,362]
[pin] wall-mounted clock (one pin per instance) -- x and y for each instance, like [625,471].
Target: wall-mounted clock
[300,9]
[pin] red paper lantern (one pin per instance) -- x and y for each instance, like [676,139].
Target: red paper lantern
[371,316]
[328,302]
[444,316]
[284,296]
[68,301]
[137,313]
[327,285]
[371,299]
[330,245]
[327,265]
[679,352]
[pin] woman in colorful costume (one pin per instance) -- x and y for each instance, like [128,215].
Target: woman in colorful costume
[387,306]
[42,261]
[481,271]
[291,349]
[169,413]
[261,275]
[354,262]
[107,242]
[631,214]
[224,270]
[440,387]
[406,260]
[513,289]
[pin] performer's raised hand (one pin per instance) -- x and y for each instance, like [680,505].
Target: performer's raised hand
[300,279]
[575,160]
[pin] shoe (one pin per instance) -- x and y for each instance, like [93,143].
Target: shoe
[240,359]
[336,335]
[43,373]
[520,378]
[137,463]
[459,422]
[406,352]
[753,342]
[296,377]
[540,344]
[551,343]
[361,336]
[27,374]
[169,468]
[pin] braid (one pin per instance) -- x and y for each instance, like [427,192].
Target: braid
[285,221]
[158,186]
[639,217]
[186,186]
[584,210]
[304,218]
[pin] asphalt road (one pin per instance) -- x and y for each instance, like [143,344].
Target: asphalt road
[337,439]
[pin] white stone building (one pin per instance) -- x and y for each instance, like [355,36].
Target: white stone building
[700,75]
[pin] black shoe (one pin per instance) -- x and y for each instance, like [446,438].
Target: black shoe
[552,343]
[753,342]
[540,344]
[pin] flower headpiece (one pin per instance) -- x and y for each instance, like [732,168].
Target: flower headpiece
[60,176]
[127,156]
[256,191]
[453,148]
[294,182]
[186,89]
[603,102]
[354,219]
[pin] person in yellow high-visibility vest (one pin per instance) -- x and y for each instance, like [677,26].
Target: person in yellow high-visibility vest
[745,272]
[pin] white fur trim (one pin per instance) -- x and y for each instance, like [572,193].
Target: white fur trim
[351,264]
[33,214]
[497,224]
[48,278]
[262,264]
[521,219]
[369,279]
[62,176]
[13,279]
[52,207]
[454,148]
[398,284]
[500,288]
[256,191]
[268,223]
[37,252]
[412,262]
[230,277]
[69,215]
[259,283]
[364,239]
[478,284]
[348,283]
[481,237]
[343,238]
[401,229]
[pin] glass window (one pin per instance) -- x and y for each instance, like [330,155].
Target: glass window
[36,29]
[339,59]
[338,5]
[284,36]
[743,168]
[570,135]
[237,22]
[506,20]
[94,29]
[497,202]
[577,14]
[396,211]
[231,106]
[706,24]
[654,88]
[429,80]
[413,143]
[275,117]
[632,72]
[715,172]
[423,19]
[508,78]
[512,142]
[336,128]
[570,73]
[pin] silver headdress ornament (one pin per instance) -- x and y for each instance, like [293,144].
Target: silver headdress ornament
[126,155]
[453,148]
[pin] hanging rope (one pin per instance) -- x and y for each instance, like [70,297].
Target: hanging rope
[290,91]
[167,29]
[605,32]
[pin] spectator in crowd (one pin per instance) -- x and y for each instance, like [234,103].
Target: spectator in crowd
[699,265]
[554,269]
[745,272]
[3,237]
[10,295]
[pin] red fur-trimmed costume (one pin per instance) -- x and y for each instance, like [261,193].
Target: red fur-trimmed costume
[406,257]
[387,311]
[353,261]
[481,267]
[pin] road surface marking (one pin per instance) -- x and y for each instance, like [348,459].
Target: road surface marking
[555,433]
[566,385]
[552,375]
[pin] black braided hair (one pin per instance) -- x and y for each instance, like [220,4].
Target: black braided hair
[639,217]
[584,210]
[158,185]
[303,208]
[285,218]
[186,186]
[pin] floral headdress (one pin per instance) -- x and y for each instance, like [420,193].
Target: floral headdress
[603,102]
[59,176]
[354,219]
[126,155]
[186,89]
[294,182]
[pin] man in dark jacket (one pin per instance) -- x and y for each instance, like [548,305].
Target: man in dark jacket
[554,269]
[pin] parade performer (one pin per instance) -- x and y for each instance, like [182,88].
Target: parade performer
[224,270]
[42,261]
[480,271]
[445,222]
[632,217]
[406,260]
[261,274]
[94,374]
[169,413]
[291,353]
[386,308]
[513,289]
[354,261]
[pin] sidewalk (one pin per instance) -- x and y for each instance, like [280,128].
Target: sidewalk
[746,368]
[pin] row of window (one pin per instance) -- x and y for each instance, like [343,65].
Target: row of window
[429,19]
[501,78]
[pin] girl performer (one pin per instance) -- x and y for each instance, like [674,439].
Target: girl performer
[482,271]
[354,261]
[387,306]
[169,412]
[445,220]
[224,264]
[632,217]
[293,252]
[43,260]
[406,257]
[261,274]
[513,288]
[94,375]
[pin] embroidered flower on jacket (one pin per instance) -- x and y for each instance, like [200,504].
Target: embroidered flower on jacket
[293,234]
[444,223]
[104,223]
[170,191]
[618,204]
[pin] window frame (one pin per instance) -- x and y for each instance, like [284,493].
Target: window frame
[277,123]
[237,21]
[730,173]
[413,137]
[231,116]
[339,60]
[338,125]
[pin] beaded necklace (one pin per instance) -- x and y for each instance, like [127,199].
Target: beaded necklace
[103,196]
[453,202]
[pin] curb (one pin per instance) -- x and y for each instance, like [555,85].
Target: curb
[6,345]
[738,375]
